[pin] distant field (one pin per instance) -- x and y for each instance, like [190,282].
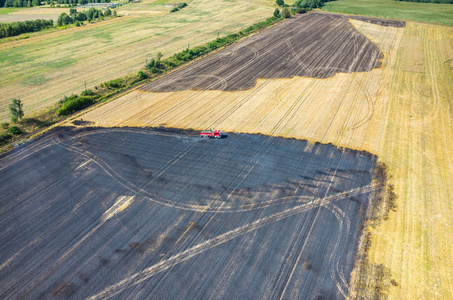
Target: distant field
[33,13]
[149,7]
[41,70]
[422,12]
[7,10]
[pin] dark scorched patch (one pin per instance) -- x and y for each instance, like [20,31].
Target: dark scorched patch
[312,45]
[249,216]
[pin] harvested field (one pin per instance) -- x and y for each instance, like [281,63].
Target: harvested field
[414,59]
[417,145]
[400,112]
[164,214]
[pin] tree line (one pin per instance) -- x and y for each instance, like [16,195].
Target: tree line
[16,28]
[79,2]
[19,3]
[309,4]
[76,17]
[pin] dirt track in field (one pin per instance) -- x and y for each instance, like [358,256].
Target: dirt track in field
[166,215]
[314,45]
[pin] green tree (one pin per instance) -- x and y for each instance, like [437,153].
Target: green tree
[141,76]
[159,56]
[280,2]
[15,110]
[277,13]
[60,19]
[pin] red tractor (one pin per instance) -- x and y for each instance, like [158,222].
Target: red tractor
[211,134]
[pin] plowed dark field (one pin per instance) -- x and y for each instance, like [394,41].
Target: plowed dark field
[153,214]
[312,45]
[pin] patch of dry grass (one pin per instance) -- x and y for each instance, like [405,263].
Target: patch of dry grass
[33,13]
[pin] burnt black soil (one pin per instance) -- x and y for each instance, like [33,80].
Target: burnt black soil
[314,45]
[240,217]
[379,21]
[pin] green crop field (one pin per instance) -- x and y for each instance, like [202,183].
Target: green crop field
[7,10]
[422,12]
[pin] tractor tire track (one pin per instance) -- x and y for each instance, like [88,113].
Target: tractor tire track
[209,244]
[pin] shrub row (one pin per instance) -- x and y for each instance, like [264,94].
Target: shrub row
[79,2]
[74,103]
[180,6]
[7,136]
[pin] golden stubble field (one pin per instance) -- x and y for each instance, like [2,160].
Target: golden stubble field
[40,70]
[400,111]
